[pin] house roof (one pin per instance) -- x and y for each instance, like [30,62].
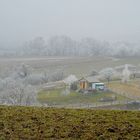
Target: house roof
[91,79]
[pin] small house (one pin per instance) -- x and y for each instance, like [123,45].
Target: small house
[91,83]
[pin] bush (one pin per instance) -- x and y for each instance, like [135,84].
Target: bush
[74,86]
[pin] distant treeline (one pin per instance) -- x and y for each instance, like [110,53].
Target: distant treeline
[65,46]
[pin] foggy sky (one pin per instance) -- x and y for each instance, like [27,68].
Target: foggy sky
[111,20]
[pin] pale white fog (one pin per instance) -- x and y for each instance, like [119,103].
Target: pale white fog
[45,42]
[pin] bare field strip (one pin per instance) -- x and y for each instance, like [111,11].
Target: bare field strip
[71,65]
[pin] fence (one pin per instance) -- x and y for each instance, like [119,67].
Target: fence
[93,105]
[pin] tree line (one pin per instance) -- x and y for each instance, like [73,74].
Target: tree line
[66,46]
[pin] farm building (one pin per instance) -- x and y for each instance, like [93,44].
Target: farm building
[91,83]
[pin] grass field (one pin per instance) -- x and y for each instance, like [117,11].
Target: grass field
[57,97]
[130,89]
[33,123]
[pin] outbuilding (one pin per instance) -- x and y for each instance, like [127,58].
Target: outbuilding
[91,83]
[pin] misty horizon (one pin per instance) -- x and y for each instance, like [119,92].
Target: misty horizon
[103,20]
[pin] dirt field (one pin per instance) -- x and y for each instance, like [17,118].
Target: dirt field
[33,123]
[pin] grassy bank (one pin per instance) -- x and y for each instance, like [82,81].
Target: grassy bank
[32,123]
[130,89]
[58,97]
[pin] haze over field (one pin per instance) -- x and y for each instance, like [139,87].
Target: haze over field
[103,20]
[43,42]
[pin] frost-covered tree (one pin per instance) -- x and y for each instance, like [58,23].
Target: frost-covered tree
[70,79]
[107,73]
[57,76]
[125,74]
[34,47]
[23,71]
[34,79]
[66,46]
[45,77]
[94,73]
[61,46]
[15,92]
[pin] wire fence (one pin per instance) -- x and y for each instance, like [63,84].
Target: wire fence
[111,105]
[86,105]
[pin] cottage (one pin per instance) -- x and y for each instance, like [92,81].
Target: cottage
[91,83]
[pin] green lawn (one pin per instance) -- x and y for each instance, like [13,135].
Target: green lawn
[56,96]
[34,123]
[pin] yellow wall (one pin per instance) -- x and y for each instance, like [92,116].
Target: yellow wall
[83,85]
